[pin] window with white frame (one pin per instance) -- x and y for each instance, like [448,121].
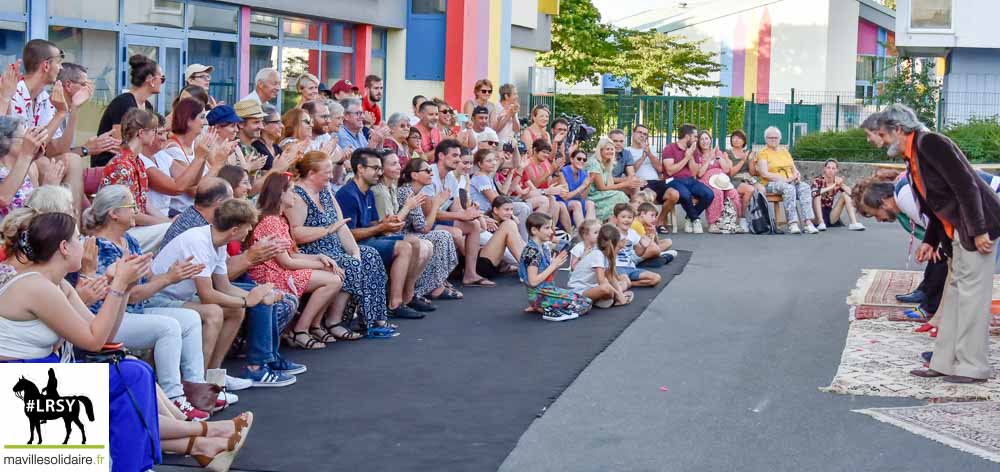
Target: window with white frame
[931,14]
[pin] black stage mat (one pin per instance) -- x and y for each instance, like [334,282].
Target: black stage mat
[454,391]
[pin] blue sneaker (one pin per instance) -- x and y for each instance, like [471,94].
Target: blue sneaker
[265,377]
[287,367]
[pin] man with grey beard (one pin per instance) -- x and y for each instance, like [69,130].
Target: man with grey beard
[963,215]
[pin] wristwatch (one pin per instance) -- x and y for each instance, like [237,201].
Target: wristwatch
[84,152]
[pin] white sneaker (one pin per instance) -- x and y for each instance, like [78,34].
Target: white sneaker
[561,317]
[793,228]
[234,384]
[697,227]
[856,227]
[229,398]
[810,228]
[669,252]
[821,227]
[687,226]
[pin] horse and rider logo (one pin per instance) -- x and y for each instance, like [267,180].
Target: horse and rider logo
[47,405]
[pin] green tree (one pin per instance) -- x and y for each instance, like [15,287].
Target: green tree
[651,60]
[583,48]
[914,87]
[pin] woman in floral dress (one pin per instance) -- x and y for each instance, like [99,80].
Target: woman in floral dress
[298,274]
[317,227]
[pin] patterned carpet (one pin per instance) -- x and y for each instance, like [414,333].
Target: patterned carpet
[973,427]
[878,287]
[879,355]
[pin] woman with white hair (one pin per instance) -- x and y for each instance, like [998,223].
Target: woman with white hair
[779,174]
[397,141]
[174,334]
[604,192]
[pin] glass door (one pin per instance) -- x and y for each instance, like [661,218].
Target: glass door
[168,54]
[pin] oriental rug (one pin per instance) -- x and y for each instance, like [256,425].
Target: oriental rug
[879,355]
[972,427]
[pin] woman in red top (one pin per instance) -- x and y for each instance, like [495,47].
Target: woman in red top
[139,128]
[539,120]
[298,274]
[538,174]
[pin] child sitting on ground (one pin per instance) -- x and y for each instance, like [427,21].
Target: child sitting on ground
[636,249]
[587,234]
[643,196]
[647,214]
[537,270]
[595,276]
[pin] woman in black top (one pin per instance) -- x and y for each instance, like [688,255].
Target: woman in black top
[147,78]
[267,145]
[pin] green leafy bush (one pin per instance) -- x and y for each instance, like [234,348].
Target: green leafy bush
[979,138]
[850,145]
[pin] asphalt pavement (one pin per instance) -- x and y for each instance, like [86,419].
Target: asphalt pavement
[722,371]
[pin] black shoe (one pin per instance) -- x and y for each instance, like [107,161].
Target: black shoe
[916,296]
[420,304]
[403,311]
[662,230]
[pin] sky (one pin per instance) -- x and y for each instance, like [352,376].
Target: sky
[616,9]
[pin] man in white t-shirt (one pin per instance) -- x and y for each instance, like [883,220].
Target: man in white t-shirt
[42,64]
[232,221]
[649,167]
[463,224]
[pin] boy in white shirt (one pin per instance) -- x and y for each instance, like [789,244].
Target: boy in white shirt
[633,245]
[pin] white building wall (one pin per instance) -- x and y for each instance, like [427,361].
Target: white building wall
[813,42]
[524,13]
[399,92]
[973,26]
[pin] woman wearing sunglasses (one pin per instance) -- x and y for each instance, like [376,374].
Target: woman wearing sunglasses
[483,90]
[575,177]
[297,126]
[447,120]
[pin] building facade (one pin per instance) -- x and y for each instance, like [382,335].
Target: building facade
[437,48]
[960,33]
[769,47]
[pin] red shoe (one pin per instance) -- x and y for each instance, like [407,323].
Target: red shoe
[924,328]
[190,412]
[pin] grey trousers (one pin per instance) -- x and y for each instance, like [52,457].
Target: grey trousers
[521,211]
[963,341]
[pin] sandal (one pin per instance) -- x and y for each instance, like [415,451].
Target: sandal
[244,421]
[346,335]
[322,335]
[480,282]
[381,333]
[221,461]
[309,342]
[447,294]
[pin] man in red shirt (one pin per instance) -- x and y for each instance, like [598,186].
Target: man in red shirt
[680,166]
[430,135]
[369,103]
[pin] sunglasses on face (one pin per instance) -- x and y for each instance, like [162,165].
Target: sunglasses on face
[492,143]
[580,159]
[486,91]
[425,169]
[447,112]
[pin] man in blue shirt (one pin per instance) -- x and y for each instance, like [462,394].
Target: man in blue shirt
[351,133]
[399,254]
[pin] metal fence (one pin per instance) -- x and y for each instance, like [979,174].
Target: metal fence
[797,113]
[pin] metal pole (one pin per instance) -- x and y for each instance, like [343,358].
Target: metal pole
[836,120]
